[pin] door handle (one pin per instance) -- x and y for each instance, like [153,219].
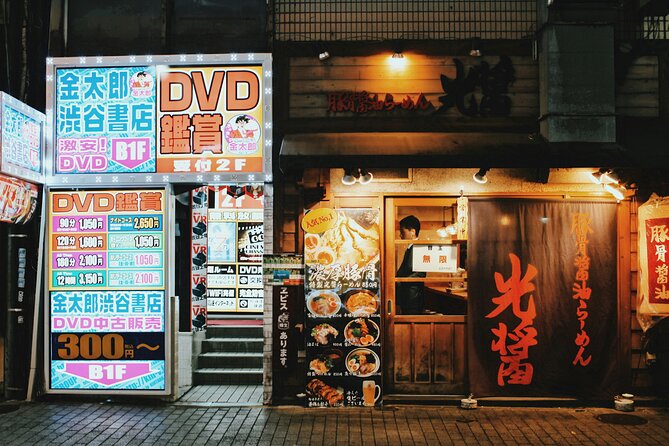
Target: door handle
[389,307]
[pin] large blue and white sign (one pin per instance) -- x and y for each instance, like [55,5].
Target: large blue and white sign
[105,120]
[21,139]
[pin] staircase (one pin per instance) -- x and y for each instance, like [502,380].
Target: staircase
[231,354]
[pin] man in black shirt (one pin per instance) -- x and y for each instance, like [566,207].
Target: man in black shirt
[409,296]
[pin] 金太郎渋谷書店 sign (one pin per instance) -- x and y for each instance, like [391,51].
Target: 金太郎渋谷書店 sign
[107,290]
[21,139]
[157,118]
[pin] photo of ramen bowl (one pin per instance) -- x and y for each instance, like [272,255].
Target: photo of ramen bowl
[323,303]
[326,361]
[361,332]
[362,362]
[311,242]
[361,302]
[325,256]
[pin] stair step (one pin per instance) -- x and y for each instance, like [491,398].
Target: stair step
[228,376]
[250,345]
[235,331]
[230,360]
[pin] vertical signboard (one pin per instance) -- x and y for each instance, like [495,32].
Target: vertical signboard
[235,249]
[343,326]
[21,140]
[198,275]
[106,277]
[654,256]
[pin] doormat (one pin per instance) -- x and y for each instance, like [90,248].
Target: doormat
[217,322]
[622,419]
[7,408]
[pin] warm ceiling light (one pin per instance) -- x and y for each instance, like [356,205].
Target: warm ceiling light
[616,190]
[349,177]
[596,177]
[480,176]
[365,176]
[398,55]
[610,176]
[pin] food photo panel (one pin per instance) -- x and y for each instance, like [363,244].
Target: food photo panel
[342,304]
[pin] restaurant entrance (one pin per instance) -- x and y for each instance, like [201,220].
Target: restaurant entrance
[426,296]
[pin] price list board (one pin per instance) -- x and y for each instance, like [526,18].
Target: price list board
[106,274]
[343,307]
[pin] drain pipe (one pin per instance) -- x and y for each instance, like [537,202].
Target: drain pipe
[38,300]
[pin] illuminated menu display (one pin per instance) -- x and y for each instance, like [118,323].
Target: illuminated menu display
[107,290]
[235,249]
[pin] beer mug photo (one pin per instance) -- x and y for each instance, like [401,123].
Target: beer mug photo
[369,392]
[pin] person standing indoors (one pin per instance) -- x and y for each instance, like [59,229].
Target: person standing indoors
[409,296]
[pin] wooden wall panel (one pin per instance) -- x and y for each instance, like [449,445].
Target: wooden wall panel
[312,80]
[460,351]
[422,353]
[402,353]
[443,353]
[639,95]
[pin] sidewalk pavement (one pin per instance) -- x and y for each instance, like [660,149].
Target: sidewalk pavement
[58,423]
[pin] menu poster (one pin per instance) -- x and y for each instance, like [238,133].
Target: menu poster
[235,249]
[343,324]
[198,262]
[107,290]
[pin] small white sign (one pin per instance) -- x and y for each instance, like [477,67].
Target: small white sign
[435,258]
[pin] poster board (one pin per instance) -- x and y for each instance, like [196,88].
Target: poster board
[107,302]
[343,307]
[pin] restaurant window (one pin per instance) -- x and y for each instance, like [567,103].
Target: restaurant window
[430,261]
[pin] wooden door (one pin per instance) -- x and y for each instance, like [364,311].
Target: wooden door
[425,351]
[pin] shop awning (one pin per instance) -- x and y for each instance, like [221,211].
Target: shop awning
[431,149]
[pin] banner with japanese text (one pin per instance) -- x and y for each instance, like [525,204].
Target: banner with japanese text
[210,119]
[160,118]
[653,291]
[106,277]
[542,313]
[343,325]
[105,120]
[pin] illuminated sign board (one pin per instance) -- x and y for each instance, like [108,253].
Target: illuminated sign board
[105,120]
[210,119]
[21,139]
[106,276]
[160,118]
[235,249]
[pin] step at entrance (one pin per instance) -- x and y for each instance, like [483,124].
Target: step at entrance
[231,354]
